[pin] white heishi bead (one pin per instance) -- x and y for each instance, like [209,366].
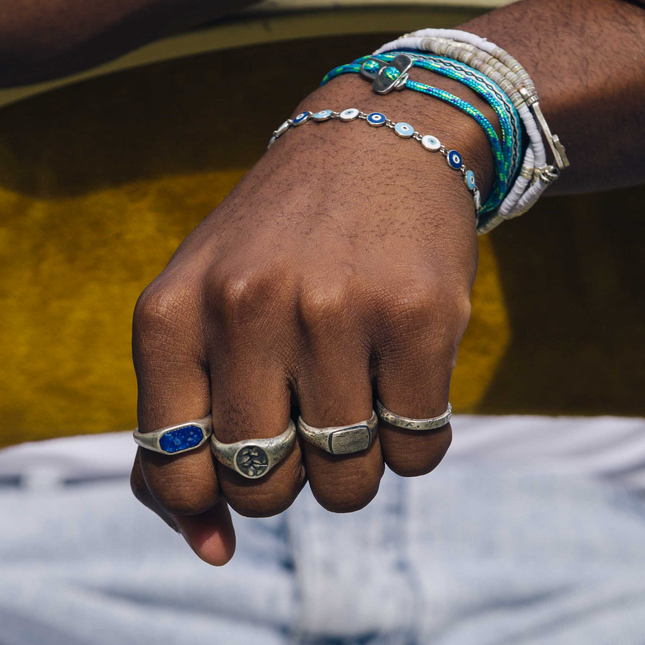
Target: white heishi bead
[323,115]
[431,143]
[404,130]
[282,129]
[349,114]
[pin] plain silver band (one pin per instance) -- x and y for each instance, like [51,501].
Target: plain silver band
[413,424]
[150,440]
[340,440]
[261,455]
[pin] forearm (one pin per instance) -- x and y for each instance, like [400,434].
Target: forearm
[43,39]
[587,58]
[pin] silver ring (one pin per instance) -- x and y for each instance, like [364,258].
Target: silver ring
[254,458]
[414,424]
[176,439]
[340,440]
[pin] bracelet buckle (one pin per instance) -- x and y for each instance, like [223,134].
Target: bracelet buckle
[557,148]
[548,174]
[383,85]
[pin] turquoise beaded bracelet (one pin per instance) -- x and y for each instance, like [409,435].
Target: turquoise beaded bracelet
[509,119]
[401,129]
[400,79]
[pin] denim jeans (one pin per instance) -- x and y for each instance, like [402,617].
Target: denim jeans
[532,532]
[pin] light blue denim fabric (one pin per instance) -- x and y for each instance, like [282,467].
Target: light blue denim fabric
[485,551]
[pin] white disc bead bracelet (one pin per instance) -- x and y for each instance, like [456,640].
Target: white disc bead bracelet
[498,65]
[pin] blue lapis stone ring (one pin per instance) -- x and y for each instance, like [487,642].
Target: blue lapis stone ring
[254,458]
[176,439]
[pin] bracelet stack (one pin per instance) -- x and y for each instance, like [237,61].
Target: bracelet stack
[521,176]
[401,129]
[506,154]
[513,80]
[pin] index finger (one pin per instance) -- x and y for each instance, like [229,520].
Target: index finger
[174,388]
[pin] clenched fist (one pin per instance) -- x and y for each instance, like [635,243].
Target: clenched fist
[338,270]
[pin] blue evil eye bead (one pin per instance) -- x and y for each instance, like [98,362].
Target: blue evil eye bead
[271,141]
[454,159]
[403,130]
[349,114]
[283,128]
[303,117]
[180,439]
[376,119]
[323,115]
[469,180]
[430,143]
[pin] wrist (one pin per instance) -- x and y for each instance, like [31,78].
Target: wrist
[453,128]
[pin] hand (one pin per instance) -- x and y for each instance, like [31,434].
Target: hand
[339,268]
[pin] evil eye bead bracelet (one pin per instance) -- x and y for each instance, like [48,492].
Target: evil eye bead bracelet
[401,129]
[392,73]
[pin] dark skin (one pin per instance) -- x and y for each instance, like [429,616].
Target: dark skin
[44,39]
[325,278]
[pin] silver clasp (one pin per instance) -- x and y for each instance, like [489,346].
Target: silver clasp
[553,140]
[548,174]
[383,85]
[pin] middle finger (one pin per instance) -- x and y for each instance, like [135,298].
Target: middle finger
[334,389]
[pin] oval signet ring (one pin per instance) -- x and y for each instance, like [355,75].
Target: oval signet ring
[254,458]
[340,440]
[174,440]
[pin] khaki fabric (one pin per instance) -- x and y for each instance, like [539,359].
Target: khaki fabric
[100,182]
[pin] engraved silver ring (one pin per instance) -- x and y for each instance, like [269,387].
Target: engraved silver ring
[176,439]
[254,458]
[340,440]
[433,423]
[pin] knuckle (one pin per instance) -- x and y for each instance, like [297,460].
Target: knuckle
[346,502]
[463,309]
[267,497]
[451,325]
[186,485]
[242,294]
[424,309]
[413,468]
[261,502]
[345,494]
[161,308]
[418,455]
[321,302]
[182,497]
[413,302]
[240,291]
